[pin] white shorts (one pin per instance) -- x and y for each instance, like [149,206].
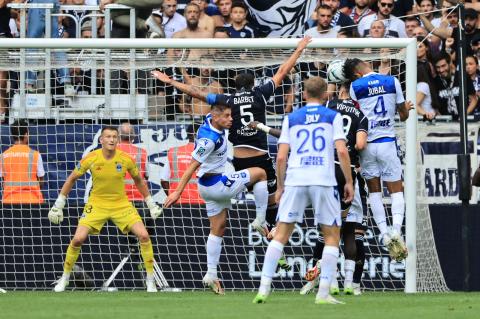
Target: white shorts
[218,190]
[325,201]
[381,160]
[355,213]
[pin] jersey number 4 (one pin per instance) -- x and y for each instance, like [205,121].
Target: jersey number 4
[379,108]
[315,139]
[247,116]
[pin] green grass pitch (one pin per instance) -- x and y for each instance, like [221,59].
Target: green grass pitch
[280,305]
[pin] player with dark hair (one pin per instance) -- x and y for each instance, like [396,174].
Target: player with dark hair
[215,186]
[380,97]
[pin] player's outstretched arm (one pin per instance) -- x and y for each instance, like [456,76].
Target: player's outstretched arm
[290,63]
[404,109]
[187,175]
[185,88]
[265,128]
[55,215]
[344,159]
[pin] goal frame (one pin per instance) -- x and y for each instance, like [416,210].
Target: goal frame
[409,45]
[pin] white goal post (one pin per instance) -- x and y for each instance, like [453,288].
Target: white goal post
[408,47]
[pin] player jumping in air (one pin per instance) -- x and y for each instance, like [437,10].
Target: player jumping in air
[380,97]
[108,201]
[215,186]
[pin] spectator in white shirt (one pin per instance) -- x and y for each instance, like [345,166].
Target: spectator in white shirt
[394,27]
[172,21]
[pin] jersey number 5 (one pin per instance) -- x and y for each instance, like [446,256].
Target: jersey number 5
[379,108]
[246,115]
[316,140]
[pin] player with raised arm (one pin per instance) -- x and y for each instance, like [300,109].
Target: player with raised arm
[310,134]
[108,201]
[215,186]
[250,148]
[380,97]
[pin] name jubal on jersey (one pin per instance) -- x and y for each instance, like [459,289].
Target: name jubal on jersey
[210,149]
[247,106]
[378,96]
[311,132]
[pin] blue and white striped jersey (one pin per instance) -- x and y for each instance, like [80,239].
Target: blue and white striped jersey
[210,149]
[311,133]
[378,96]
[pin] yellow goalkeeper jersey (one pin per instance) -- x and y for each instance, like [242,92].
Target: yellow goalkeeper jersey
[108,177]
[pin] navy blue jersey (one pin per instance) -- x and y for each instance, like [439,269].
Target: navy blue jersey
[246,32]
[353,121]
[247,106]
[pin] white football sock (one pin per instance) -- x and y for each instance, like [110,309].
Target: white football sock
[398,210]
[272,255]
[378,211]
[214,248]
[260,191]
[329,268]
[349,268]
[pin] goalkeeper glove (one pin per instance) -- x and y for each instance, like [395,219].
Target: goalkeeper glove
[55,215]
[155,210]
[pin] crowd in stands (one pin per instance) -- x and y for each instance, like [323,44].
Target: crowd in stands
[434,25]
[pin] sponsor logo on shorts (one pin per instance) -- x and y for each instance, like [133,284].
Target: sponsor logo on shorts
[272,182]
[293,214]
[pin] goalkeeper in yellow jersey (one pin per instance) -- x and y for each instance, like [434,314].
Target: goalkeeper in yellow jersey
[107,201]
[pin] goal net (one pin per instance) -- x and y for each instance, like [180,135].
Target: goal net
[112,84]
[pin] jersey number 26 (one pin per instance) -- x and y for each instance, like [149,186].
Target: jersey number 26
[313,139]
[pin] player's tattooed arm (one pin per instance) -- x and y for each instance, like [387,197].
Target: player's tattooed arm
[191,90]
[267,129]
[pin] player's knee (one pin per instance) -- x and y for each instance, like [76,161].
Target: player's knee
[143,237]
[395,187]
[78,241]
[218,230]
[258,174]
[331,237]
[350,251]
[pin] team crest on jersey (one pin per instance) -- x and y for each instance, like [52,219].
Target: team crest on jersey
[119,167]
[201,151]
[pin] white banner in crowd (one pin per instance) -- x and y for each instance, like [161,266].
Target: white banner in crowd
[440,144]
